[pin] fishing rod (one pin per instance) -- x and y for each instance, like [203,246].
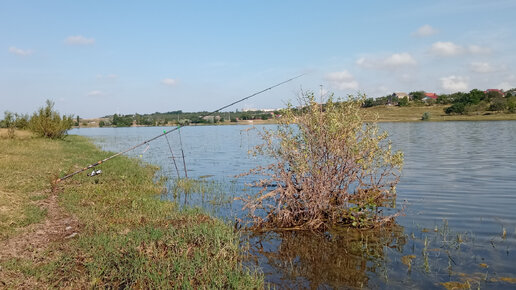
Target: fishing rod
[172,130]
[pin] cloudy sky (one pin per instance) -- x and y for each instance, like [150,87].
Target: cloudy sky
[95,58]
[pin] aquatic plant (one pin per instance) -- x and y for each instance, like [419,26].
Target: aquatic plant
[330,169]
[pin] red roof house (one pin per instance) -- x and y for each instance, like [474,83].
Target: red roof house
[431,95]
[495,90]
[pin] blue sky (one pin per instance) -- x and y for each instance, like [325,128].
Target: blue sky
[95,58]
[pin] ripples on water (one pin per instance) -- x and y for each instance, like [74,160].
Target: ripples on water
[458,185]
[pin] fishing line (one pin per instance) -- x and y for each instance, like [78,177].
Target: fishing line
[145,150]
[172,130]
[172,153]
[182,153]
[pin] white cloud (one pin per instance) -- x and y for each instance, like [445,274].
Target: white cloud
[443,48]
[169,82]
[476,49]
[425,30]
[399,59]
[448,48]
[79,40]
[393,61]
[454,83]
[482,67]
[107,76]
[363,62]
[95,94]
[342,80]
[19,51]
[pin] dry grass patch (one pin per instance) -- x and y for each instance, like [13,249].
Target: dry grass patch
[11,212]
[19,134]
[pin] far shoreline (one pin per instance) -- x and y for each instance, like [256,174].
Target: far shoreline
[386,114]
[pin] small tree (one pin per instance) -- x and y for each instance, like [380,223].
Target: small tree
[330,169]
[498,104]
[22,121]
[48,123]
[417,96]
[403,102]
[9,123]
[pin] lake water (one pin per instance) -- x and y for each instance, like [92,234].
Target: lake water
[458,189]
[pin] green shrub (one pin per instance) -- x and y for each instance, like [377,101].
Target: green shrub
[403,102]
[425,116]
[331,169]
[22,121]
[511,104]
[456,108]
[49,124]
[498,104]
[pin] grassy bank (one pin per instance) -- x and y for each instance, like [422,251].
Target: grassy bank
[412,114]
[104,231]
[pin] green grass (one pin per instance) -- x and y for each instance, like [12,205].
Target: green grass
[127,237]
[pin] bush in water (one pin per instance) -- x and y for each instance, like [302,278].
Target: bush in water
[330,169]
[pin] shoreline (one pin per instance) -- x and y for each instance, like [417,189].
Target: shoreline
[109,230]
[385,114]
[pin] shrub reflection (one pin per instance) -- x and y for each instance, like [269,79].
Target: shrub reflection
[338,258]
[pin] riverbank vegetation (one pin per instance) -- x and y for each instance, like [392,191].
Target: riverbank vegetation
[329,169]
[474,102]
[45,122]
[107,231]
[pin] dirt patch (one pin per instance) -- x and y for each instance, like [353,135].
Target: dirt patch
[36,238]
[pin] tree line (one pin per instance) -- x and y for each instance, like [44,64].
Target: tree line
[183,118]
[460,102]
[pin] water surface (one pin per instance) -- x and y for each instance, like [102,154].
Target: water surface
[458,189]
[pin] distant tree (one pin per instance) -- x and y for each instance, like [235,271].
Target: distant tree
[475,96]
[498,104]
[511,104]
[368,103]
[403,102]
[102,124]
[417,96]
[425,116]
[9,123]
[21,121]
[122,121]
[444,99]
[490,95]
[457,108]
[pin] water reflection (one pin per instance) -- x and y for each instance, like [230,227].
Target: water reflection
[341,258]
